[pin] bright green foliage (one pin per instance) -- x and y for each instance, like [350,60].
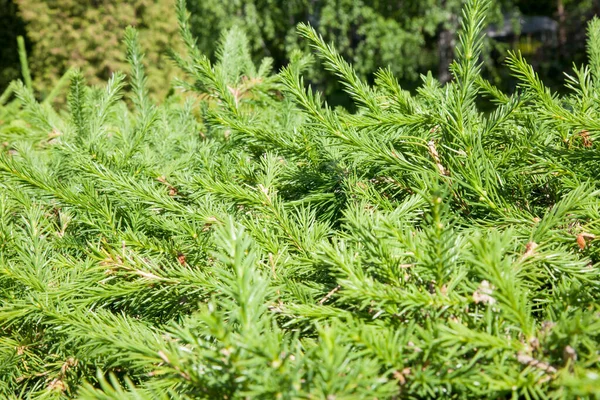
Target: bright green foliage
[12,124]
[87,35]
[279,248]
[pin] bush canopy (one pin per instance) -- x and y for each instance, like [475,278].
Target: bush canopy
[246,240]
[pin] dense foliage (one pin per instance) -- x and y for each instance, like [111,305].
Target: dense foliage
[87,35]
[252,242]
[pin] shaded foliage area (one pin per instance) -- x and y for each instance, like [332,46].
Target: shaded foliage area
[552,56]
[279,248]
[11,26]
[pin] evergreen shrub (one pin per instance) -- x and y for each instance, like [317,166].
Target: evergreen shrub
[249,241]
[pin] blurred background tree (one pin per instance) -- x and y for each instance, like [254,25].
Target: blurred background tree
[88,35]
[411,36]
[11,26]
[553,56]
[369,34]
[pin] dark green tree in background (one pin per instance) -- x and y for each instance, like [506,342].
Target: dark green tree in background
[368,33]
[411,37]
[554,52]
[11,26]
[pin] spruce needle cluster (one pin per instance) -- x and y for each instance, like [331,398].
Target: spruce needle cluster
[244,240]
